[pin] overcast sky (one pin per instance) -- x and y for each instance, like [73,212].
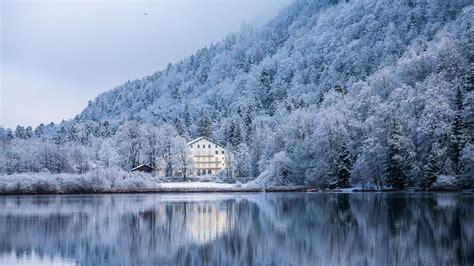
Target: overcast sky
[55,56]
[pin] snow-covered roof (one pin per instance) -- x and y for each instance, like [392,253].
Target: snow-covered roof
[209,139]
[141,165]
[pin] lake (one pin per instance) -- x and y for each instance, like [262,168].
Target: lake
[238,229]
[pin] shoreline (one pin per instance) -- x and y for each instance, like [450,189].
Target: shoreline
[231,191]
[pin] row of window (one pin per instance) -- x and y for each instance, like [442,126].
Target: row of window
[209,172]
[204,146]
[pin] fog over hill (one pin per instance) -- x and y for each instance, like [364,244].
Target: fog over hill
[328,93]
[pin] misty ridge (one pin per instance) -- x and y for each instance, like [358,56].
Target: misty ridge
[328,94]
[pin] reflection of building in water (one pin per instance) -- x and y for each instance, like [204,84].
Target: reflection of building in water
[208,222]
[197,222]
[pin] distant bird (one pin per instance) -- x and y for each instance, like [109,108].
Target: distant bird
[145,14]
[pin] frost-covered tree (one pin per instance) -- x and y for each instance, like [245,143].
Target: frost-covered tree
[344,167]
[457,136]
[204,125]
[129,141]
[280,168]
[181,128]
[20,132]
[182,161]
[187,117]
[430,172]
[28,132]
[80,159]
[166,152]
[150,145]
[107,154]
[241,161]
[397,159]
[319,75]
[467,160]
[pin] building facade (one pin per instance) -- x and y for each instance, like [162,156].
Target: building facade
[206,157]
[209,157]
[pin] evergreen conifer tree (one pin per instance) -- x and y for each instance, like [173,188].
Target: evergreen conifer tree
[456,140]
[431,171]
[204,125]
[20,132]
[187,117]
[180,128]
[395,168]
[344,167]
[248,126]
[237,135]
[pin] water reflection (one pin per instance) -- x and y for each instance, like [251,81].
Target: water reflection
[239,229]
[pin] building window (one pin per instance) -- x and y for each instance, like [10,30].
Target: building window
[217,152]
[198,145]
[209,172]
[222,152]
[199,172]
[216,146]
[209,146]
[191,145]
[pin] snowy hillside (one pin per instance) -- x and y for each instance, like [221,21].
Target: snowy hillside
[329,93]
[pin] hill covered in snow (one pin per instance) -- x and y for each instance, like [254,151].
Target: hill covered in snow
[329,93]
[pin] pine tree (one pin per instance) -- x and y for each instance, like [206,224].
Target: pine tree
[248,126]
[39,130]
[395,167]
[187,117]
[205,125]
[28,132]
[229,133]
[72,133]
[60,136]
[265,96]
[457,130]
[203,74]
[106,129]
[431,171]
[10,135]
[180,128]
[344,167]
[175,94]
[469,79]
[20,132]
[236,135]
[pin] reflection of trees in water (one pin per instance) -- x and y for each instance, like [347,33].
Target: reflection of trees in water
[280,228]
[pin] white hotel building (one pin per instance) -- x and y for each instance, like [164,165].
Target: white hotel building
[209,157]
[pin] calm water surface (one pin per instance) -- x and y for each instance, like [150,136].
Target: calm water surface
[238,229]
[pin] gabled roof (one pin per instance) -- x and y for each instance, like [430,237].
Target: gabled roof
[140,166]
[209,139]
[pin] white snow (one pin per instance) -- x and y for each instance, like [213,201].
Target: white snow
[196,185]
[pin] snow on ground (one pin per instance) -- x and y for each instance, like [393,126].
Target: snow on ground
[197,185]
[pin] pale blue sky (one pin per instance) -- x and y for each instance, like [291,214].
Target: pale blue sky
[55,56]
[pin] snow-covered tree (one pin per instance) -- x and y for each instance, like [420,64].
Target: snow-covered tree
[283,90]
[204,125]
[182,161]
[397,157]
[430,172]
[129,141]
[344,167]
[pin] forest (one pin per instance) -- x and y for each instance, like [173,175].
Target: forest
[328,94]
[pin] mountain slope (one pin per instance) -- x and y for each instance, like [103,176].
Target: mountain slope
[329,93]
[306,49]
